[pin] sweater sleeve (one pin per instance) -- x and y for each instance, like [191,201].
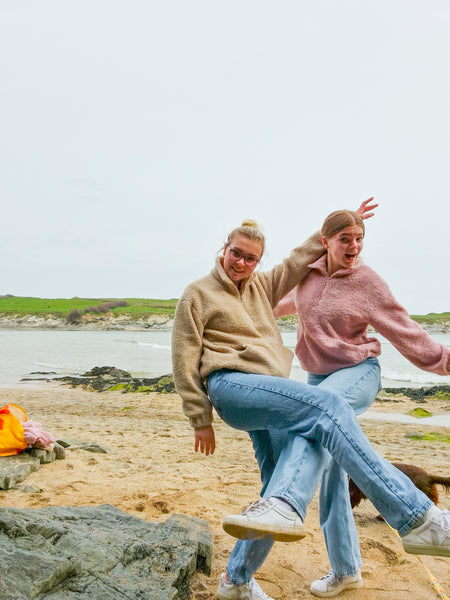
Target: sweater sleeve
[187,344]
[283,277]
[286,306]
[393,322]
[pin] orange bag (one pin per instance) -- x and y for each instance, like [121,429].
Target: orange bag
[12,440]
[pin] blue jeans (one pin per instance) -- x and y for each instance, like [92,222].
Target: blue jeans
[359,386]
[259,404]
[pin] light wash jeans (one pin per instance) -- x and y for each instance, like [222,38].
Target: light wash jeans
[359,386]
[259,404]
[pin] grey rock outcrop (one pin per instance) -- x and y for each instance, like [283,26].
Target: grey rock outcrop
[420,394]
[15,469]
[101,379]
[99,553]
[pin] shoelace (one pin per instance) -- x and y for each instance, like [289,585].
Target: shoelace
[257,507]
[258,592]
[329,577]
[445,519]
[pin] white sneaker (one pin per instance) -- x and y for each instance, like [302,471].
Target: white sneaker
[432,536]
[265,517]
[245,591]
[332,585]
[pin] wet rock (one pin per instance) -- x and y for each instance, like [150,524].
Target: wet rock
[112,371]
[101,379]
[420,394]
[99,553]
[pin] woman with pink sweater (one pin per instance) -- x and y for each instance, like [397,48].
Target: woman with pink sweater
[336,302]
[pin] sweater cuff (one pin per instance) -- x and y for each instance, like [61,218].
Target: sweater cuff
[201,420]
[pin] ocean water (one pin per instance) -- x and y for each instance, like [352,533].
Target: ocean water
[148,354]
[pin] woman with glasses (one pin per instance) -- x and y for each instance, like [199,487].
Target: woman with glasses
[228,353]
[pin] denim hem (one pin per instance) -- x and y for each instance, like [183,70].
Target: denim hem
[234,582]
[293,502]
[348,573]
[416,520]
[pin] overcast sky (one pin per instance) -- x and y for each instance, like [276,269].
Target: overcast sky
[136,134]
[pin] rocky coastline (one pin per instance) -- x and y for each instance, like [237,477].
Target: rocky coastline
[124,322]
[88,322]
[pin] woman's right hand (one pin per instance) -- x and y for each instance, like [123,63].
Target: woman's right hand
[205,440]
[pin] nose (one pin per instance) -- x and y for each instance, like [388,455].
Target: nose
[241,259]
[353,244]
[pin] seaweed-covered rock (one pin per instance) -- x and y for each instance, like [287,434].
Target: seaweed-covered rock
[419,394]
[99,553]
[101,379]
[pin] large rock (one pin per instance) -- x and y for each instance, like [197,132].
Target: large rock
[15,469]
[98,553]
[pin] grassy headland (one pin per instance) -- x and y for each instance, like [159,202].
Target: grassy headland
[61,307]
[136,308]
[432,318]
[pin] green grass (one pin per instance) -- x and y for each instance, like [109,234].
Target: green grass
[420,413]
[425,319]
[61,307]
[137,307]
[432,436]
[432,317]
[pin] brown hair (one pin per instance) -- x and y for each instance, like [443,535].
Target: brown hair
[340,219]
[250,229]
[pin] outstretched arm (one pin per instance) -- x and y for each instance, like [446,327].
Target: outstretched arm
[393,322]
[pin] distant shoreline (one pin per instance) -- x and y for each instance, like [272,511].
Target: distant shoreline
[106,322]
[126,322]
[127,314]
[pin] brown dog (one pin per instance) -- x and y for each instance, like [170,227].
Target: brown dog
[424,481]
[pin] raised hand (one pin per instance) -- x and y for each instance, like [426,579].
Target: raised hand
[366,210]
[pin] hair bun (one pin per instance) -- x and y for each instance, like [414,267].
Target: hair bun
[249,223]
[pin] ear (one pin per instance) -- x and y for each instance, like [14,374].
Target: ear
[224,249]
[324,242]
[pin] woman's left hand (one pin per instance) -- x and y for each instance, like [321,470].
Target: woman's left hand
[205,440]
[365,211]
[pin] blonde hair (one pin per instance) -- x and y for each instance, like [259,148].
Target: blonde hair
[250,229]
[340,219]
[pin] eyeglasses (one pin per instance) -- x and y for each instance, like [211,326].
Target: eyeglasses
[249,259]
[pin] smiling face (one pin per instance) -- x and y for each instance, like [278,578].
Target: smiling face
[343,248]
[238,269]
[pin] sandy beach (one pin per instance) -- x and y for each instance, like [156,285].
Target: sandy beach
[152,471]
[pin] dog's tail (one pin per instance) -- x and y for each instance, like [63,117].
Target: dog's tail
[444,481]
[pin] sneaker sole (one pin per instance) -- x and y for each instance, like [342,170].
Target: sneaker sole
[245,531]
[428,550]
[330,594]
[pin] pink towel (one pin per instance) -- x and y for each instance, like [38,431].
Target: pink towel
[36,436]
